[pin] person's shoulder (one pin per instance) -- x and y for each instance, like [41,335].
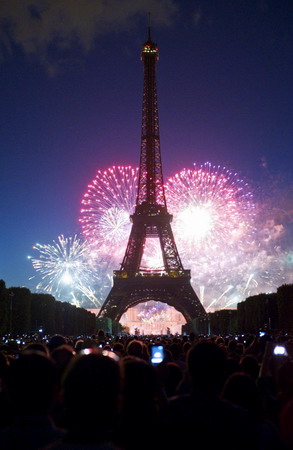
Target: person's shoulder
[179,406]
[63,445]
[179,399]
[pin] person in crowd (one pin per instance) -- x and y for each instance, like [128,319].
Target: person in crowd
[4,403]
[286,424]
[79,345]
[284,390]
[179,357]
[284,382]
[250,365]
[268,381]
[202,415]
[31,383]
[118,348]
[137,348]
[171,375]
[142,405]
[91,391]
[39,346]
[62,356]
[55,341]
[232,350]
[240,389]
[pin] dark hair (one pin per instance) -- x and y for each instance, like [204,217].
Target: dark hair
[56,341]
[206,362]
[91,387]
[31,382]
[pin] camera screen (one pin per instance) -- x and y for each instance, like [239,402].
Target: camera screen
[280,350]
[157,355]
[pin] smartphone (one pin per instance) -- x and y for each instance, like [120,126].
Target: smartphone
[86,351]
[280,350]
[157,354]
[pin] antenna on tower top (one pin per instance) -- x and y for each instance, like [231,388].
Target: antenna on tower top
[149,26]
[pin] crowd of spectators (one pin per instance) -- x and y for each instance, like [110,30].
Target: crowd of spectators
[104,392]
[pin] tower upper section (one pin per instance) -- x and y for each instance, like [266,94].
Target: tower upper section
[150,48]
[150,182]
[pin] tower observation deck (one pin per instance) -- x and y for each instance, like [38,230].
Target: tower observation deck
[131,283]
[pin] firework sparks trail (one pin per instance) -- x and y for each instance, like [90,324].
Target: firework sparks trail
[67,268]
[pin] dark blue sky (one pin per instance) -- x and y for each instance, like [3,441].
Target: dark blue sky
[71,95]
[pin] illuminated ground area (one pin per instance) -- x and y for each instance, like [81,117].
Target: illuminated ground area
[152,318]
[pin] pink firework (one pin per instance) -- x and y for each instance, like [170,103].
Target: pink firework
[212,207]
[107,205]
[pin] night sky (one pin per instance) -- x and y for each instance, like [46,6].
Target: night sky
[71,97]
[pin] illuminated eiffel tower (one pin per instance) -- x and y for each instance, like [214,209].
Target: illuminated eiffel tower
[131,284]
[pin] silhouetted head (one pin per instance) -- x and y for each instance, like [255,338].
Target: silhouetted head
[62,356]
[206,363]
[56,341]
[220,340]
[91,391]
[32,383]
[118,348]
[101,334]
[171,375]
[232,345]
[249,364]
[241,390]
[37,346]
[140,380]
[176,350]
[135,348]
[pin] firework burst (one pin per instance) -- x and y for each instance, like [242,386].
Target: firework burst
[67,269]
[212,206]
[107,205]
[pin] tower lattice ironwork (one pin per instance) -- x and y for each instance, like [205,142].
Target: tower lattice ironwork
[131,284]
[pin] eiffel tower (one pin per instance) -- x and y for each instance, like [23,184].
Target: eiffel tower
[131,284]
